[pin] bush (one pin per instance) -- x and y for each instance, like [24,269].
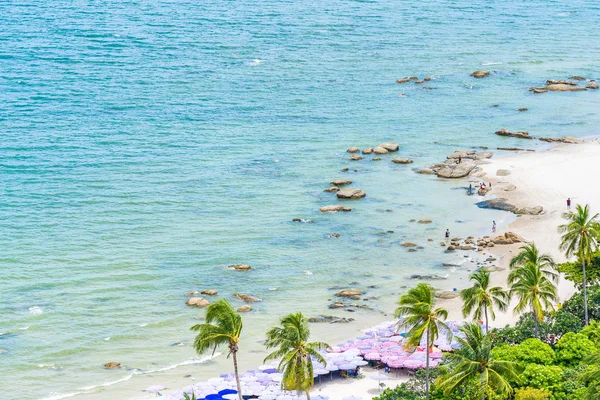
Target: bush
[529,351]
[592,331]
[532,394]
[574,347]
[575,304]
[553,326]
[401,392]
[574,272]
[542,376]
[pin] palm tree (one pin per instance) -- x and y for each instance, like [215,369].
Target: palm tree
[592,377]
[474,362]
[420,318]
[480,298]
[223,327]
[295,351]
[530,254]
[580,238]
[534,290]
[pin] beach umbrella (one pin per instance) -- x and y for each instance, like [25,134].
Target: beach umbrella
[373,356]
[227,391]
[347,366]
[270,370]
[361,363]
[380,378]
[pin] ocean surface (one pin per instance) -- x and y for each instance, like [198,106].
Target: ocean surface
[147,145]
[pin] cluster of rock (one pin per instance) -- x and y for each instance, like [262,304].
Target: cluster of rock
[353,294]
[525,135]
[329,319]
[459,164]
[502,204]
[414,79]
[383,148]
[470,243]
[561,85]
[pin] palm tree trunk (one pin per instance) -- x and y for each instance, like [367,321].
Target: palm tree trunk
[535,323]
[427,366]
[235,370]
[308,394]
[585,302]
[486,320]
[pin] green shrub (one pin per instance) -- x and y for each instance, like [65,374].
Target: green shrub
[574,347]
[542,376]
[574,272]
[401,392]
[529,351]
[555,325]
[575,304]
[532,394]
[592,331]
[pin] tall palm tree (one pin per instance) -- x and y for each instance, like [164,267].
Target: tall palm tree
[592,376]
[295,351]
[533,289]
[481,297]
[223,327]
[473,361]
[530,254]
[419,316]
[580,238]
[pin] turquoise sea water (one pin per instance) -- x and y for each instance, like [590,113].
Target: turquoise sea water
[147,145]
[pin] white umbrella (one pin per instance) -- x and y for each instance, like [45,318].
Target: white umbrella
[379,377]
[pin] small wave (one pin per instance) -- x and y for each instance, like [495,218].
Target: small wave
[48,366]
[307,272]
[486,64]
[107,338]
[35,310]
[143,325]
[272,289]
[24,328]
[256,61]
[83,390]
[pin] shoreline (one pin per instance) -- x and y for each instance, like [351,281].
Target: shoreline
[533,188]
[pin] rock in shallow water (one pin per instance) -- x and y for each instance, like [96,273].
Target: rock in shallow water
[350,193]
[197,302]
[334,209]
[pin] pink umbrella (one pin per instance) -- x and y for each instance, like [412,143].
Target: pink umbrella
[414,364]
[373,356]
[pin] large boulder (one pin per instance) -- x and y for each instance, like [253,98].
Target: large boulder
[402,161]
[197,302]
[390,146]
[380,150]
[508,238]
[562,87]
[244,308]
[537,210]
[334,208]
[353,150]
[425,171]
[355,157]
[480,74]
[341,182]
[350,193]
[240,267]
[349,293]
[246,298]
[456,170]
[497,204]
[520,135]
[368,150]
[112,365]
[592,85]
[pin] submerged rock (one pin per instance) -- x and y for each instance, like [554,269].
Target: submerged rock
[197,302]
[112,365]
[334,209]
[349,293]
[350,193]
[355,157]
[246,298]
[380,150]
[353,150]
[563,139]
[403,80]
[331,189]
[520,135]
[340,182]
[402,161]
[390,146]
[480,74]
[209,292]
[424,221]
[240,267]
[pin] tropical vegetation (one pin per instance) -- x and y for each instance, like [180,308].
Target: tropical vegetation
[480,299]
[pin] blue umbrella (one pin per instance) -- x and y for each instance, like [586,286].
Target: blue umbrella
[227,391]
[214,397]
[270,371]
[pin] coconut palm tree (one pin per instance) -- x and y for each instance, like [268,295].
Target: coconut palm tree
[474,362]
[481,298]
[534,290]
[223,327]
[580,238]
[295,351]
[530,254]
[420,318]
[592,377]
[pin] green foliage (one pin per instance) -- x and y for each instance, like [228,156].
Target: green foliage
[532,394]
[401,392]
[542,376]
[575,304]
[187,396]
[592,331]
[574,347]
[574,272]
[481,299]
[529,351]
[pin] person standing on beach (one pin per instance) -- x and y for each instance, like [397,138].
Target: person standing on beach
[447,233]
[569,203]
[494,226]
